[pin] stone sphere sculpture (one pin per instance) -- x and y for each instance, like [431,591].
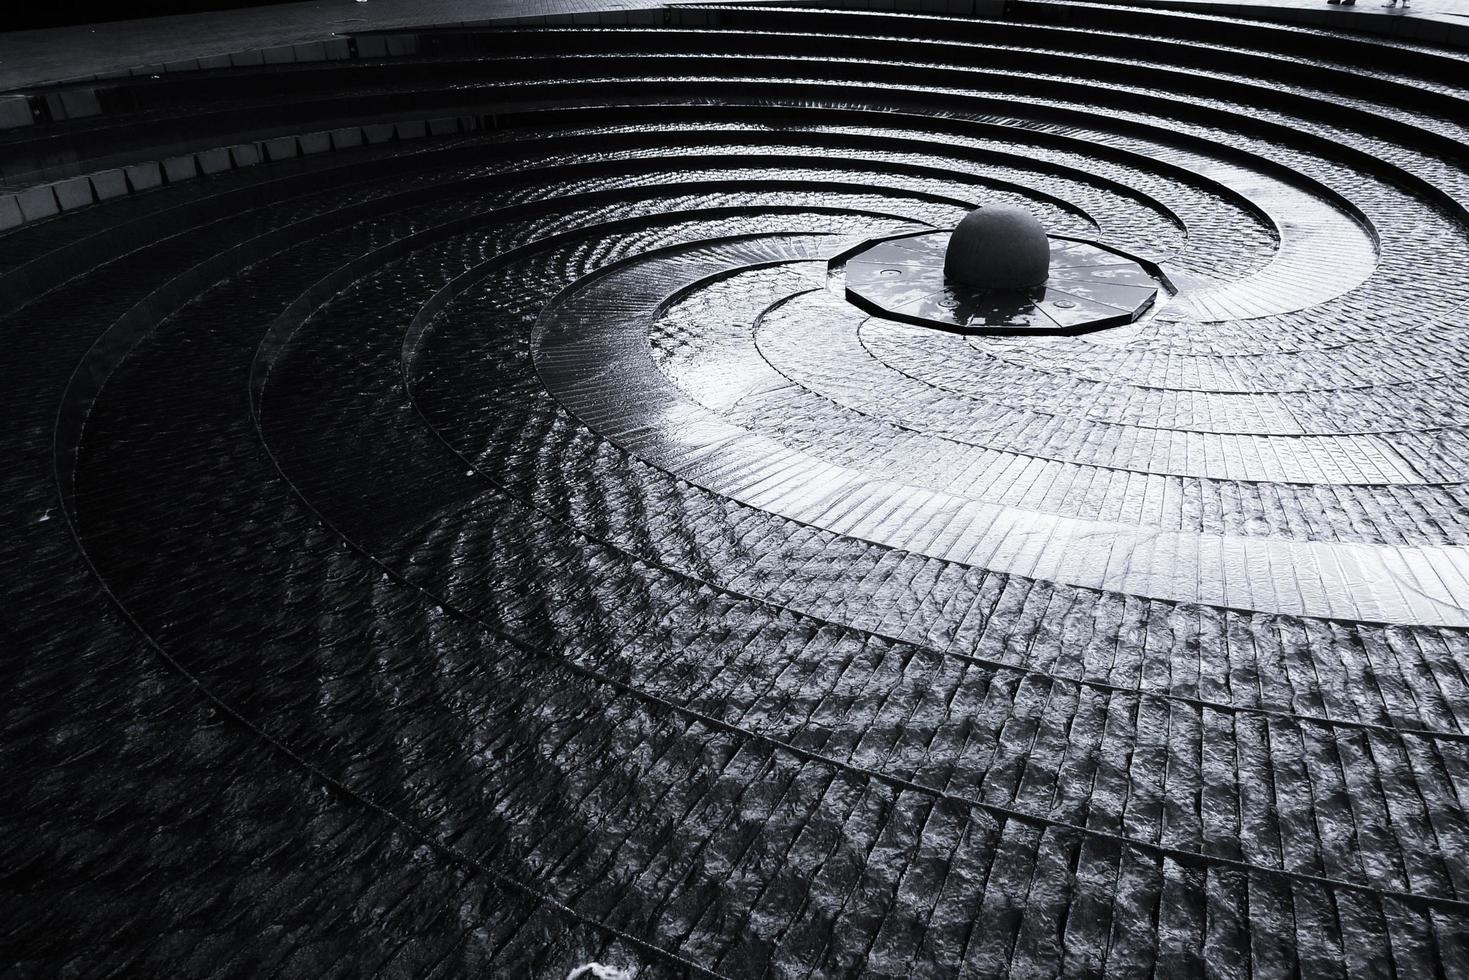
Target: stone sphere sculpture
[999,247]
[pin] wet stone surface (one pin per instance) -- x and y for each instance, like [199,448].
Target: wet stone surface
[496,552]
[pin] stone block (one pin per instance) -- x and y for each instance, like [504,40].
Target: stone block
[380,133]
[55,106]
[346,139]
[143,176]
[245,154]
[315,143]
[281,148]
[15,110]
[73,193]
[109,184]
[214,161]
[10,213]
[37,202]
[311,51]
[180,168]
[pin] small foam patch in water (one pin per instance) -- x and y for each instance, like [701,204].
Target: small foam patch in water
[600,972]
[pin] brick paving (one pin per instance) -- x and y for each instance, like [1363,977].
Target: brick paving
[461,527]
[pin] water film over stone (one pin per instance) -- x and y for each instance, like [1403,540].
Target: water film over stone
[546,491]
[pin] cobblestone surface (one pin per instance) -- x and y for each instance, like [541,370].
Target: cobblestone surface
[501,546]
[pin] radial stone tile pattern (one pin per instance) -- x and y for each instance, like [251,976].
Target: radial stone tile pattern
[458,523]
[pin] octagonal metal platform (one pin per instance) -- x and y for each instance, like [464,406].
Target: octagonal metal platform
[1091,287]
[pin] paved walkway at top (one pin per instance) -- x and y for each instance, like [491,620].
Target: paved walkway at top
[29,58]
[60,53]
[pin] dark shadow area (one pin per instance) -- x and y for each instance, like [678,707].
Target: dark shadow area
[29,16]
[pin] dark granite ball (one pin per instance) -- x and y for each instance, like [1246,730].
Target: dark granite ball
[998,247]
